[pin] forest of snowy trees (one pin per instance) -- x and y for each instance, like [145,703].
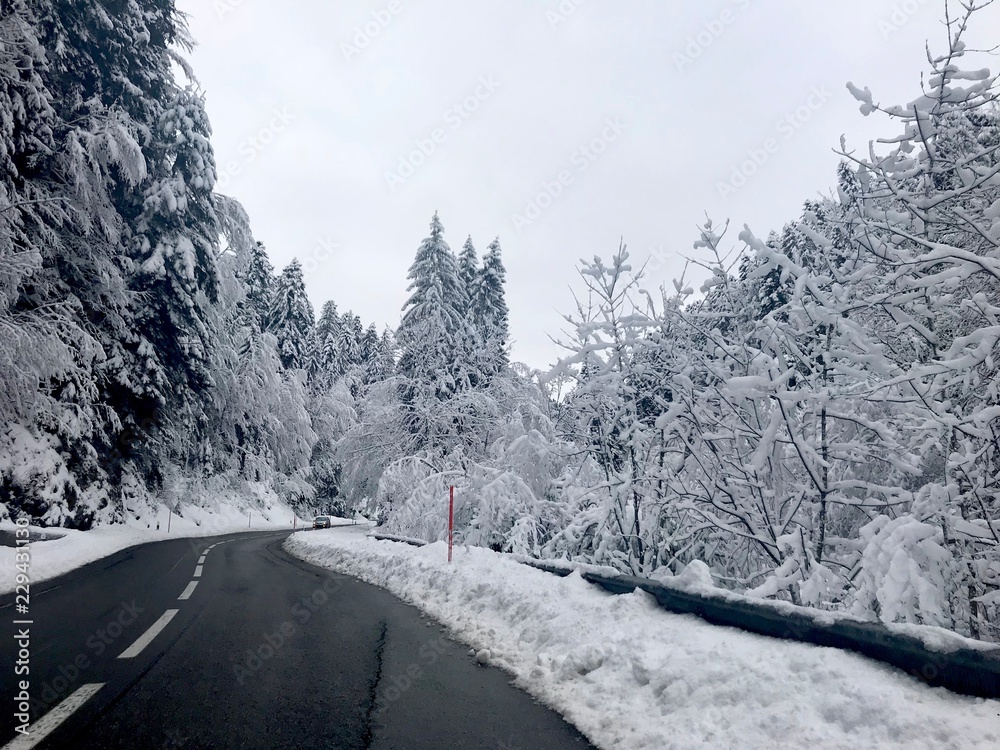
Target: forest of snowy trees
[146,344]
[822,422]
[818,422]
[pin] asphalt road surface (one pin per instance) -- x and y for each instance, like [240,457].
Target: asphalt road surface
[168,646]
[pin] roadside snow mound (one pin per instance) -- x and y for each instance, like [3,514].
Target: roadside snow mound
[630,675]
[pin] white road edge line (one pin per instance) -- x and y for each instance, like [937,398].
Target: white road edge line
[144,640]
[197,571]
[186,593]
[48,723]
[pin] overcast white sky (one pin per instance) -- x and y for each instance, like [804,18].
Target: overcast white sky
[316,120]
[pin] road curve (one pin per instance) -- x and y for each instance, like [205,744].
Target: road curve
[169,646]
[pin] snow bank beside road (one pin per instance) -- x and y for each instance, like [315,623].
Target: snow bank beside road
[73,549]
[697,579]
[630,675]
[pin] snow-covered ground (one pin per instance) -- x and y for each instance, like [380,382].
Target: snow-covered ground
[72,549]
[630,675]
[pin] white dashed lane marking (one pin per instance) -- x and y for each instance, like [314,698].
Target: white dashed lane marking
[186,593]
[47,724]
[146,638]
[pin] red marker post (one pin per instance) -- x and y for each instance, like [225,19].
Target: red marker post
[451,517]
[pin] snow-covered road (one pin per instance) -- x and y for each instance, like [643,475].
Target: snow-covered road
[630,675]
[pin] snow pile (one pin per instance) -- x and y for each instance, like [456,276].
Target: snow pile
[73,549]
[630,675]
[696,578]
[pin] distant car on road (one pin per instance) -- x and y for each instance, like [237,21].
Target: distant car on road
[322,522]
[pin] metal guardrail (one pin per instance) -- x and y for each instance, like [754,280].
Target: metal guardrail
[401,539]
[963,670]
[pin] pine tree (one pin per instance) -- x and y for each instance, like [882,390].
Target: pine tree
[433,338]
[131,346]
[323,362]
[432,320]
[385,358]
[174,250]
[349,342]
[291,317]
[490,311]
[468,274]
[113,74]
[369,344]
[258,281]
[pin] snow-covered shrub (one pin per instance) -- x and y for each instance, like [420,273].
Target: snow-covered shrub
[800,575]
[489,505]
[905,573]
[413,495]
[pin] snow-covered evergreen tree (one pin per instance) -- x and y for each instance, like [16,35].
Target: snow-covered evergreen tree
[432,330]
[324,364]
[258,283]
[382,364]
[348,343]
[468,273]
[369,344]
[290,318]
[490,312]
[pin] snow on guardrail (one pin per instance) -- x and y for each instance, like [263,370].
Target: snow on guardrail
[937,656]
